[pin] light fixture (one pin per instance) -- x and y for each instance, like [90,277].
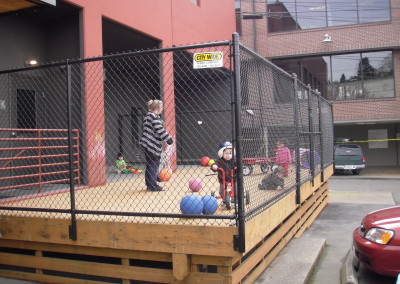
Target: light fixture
[327,38]
[31,62]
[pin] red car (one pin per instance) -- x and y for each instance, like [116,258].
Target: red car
[377,241]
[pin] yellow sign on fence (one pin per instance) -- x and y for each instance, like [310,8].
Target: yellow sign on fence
[208,60]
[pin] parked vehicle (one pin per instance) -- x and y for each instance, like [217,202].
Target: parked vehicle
[377,241]
[349,157]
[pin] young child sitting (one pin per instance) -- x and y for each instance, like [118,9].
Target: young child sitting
[121,164]
[274,180]
[123,167]
[225,162]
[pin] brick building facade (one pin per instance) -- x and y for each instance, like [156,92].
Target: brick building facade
[362,117]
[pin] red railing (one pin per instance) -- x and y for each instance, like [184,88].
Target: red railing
[32,156]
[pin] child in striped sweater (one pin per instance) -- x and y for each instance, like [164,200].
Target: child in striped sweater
[153,139]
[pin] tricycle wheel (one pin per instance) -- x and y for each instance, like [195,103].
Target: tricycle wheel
[274,166]
[247,197]
[247,169]
[228,201]
[264,168]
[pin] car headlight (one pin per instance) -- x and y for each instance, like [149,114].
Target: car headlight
[379,236]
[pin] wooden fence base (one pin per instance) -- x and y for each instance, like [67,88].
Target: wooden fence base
[38,249]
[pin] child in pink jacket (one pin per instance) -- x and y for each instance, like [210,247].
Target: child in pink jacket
[283,156]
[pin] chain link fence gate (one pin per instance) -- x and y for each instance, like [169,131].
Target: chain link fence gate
[63,124]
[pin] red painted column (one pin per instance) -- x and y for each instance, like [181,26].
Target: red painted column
[169,102]
[94,136]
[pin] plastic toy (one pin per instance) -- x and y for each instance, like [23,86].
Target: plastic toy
[228,194]
[204,161]
[210,204]
[195,184]
[191,204]
[165,175]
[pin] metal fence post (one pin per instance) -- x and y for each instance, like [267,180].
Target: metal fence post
[72,227]
[297,136]
[321,137]
[311,133]
[240,242]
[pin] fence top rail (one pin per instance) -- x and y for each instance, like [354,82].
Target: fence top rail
[120,55]
[36,130]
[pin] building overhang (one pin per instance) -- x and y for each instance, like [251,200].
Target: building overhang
[8,6]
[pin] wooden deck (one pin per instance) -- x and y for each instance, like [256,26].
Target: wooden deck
[36,245]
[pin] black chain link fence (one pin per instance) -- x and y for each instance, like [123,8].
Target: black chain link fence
[62,126]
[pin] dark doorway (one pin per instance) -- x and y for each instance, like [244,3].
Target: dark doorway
[26,109]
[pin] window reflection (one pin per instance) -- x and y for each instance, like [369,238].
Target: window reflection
[345,77]
[341,13]
[282,16]
[377,74]
[288,15]
[311,14]
[345,82]
[374,10]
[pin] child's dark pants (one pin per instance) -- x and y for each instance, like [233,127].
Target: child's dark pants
[152,165]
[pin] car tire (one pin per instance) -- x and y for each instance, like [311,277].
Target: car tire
[356,172]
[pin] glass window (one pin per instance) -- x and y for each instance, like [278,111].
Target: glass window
[289,15]
[374,10]
[282,16]
[377,74]
[341,13]
[345,77]
[311,14]
[345,82]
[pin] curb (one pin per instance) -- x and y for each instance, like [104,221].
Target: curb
[348,274]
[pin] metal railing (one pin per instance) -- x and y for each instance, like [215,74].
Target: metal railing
[38,155]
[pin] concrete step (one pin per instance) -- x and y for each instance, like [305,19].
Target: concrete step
[295,263]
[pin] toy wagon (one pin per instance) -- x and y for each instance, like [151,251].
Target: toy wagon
[265,163]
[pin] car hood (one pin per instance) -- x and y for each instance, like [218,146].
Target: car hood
[388,218]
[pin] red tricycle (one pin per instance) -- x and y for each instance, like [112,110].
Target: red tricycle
[265,164]
[229,189]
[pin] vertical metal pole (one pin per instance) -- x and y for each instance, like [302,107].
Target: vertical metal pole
[238,127]
[254,28]
[333,131]
[311,133]
[321,138]
[297,134]
[72,227]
